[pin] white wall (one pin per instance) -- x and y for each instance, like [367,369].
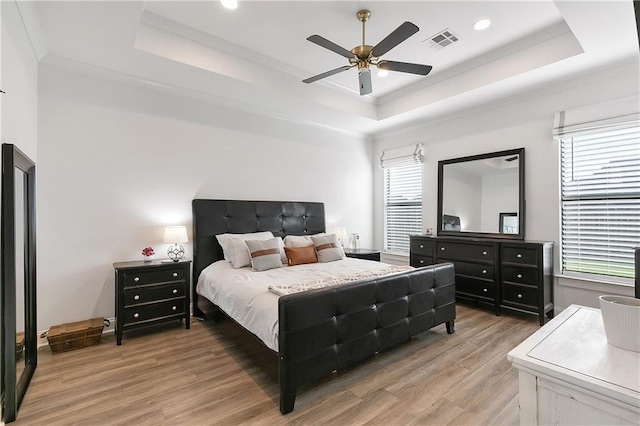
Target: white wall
[19,79]
[118,162]
[513,124]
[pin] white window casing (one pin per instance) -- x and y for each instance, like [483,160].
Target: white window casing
[600,192]
[402,197]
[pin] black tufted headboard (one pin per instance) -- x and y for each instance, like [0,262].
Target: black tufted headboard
[213,217]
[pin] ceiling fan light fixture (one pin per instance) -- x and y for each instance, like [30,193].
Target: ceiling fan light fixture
[382,73]
[229,4]
[482,24]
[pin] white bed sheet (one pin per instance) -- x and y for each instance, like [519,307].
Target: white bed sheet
[244,295]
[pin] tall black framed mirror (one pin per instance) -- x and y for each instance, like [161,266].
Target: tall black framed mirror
[18,271]
[482,195]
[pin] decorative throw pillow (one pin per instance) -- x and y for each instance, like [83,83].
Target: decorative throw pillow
[224,239]
[264,254]
[300,255]
[300,240]
[328,248]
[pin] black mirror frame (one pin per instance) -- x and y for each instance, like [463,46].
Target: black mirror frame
[14,388]
[521,201]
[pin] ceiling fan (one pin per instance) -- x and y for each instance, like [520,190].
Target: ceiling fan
[364,56]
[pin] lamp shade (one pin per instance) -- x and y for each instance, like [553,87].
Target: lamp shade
[175,234]
[341,233]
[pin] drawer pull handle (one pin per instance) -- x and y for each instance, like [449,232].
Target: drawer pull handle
[484,253]
[136,297]
[173,308]
[136,315]
[518,255]
[421,261]
[485,290]
[484,271]
[442,249]
[136,279]
[421,245]
[519,296]
[519,275]
[175,291]
[175,274]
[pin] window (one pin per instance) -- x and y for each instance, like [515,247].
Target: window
[600,191]
[402,196]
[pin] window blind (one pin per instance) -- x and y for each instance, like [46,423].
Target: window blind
[601,200]
[403,205]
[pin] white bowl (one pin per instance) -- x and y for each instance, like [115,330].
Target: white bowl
[621,318]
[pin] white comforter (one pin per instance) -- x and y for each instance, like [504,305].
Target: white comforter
[244,295]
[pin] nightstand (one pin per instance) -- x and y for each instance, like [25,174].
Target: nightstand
[151,292]
[363,253]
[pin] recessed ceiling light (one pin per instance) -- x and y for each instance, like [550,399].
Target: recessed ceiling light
[482,24]
[230,4]
[382,73]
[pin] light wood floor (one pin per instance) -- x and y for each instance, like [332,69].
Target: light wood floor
[173,376]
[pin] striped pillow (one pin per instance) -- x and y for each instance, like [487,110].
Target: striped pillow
[264,254]
[328,248]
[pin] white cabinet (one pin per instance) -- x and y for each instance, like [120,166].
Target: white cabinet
[570,375]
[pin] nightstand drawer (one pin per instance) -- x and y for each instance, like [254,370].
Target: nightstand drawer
[136,314]
[520,295]
[153,276]
[422,246]
[520,275]
[418,261]
[135,296]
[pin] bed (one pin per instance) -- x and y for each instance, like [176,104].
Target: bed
[324,330]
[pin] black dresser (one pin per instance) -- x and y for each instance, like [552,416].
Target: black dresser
[506,274]
[151,292]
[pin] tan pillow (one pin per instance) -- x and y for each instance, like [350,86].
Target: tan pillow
[300,255]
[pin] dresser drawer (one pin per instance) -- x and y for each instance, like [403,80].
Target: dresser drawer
[476,287]
[520,275]
[520,255]
[520,295]
[153,276]
[135,296]
[465,251]
[422,246]
[476,270]
[136,314]
[418,261]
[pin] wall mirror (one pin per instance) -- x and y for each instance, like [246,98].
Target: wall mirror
[18,289]
[482,195]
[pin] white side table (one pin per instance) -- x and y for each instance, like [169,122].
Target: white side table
[569,374]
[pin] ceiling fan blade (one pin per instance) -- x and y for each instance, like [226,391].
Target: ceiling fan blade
[397,36]
[405,67]
[364,78]
[323,42]
[326,74]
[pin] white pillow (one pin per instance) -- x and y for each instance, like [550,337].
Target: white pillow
[300,240]
[264,255]
[240,255]
[223,239]
[328,248]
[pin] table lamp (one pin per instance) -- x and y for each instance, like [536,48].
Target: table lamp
[175,235]
[341,233]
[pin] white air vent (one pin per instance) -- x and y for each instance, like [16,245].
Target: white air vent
[443,38]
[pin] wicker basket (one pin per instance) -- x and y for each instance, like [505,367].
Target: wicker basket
[75,335]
